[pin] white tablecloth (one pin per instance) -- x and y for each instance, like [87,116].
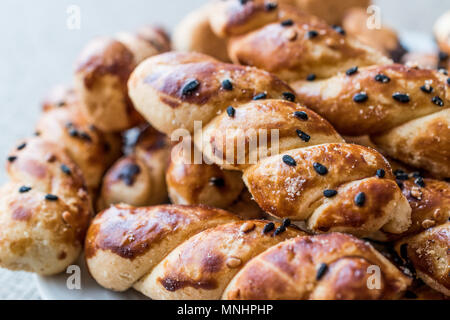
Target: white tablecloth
[17,286]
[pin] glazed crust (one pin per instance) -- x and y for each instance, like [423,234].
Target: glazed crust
[44,209]
[156,88]
[289,271]
[429,254]
[138,179]
[102,72]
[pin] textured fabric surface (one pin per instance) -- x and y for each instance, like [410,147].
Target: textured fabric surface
[38,51]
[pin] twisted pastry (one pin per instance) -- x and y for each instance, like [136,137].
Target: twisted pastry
[44,209]
[63,123]
[403,109]
[139,178]
[102,72]
[317,177]
[188,252]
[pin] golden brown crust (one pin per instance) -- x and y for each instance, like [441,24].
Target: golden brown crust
[44,209]
[428,252]
[290,271]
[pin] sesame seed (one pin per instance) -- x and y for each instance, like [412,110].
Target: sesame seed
[360,199]
[271,6]
[24,189]
[73,132]
[437,101]
[323,268]
[426,88]
[51,197]
[287,23]
[231,111]
[382,78]
[260,96]
[65,169]
[401,97]
[380,173]
[351,71]
[190,86]
[303,135]
[320,169]
[442,56]
[268,227]
[286,222]
[338,29]
[85,136]
[329,193]
[289,161]
[217,182]
[312,34]
[311,77]
[302,115]
[22,146]
[443,71]
[419,181]
[360,97]
[227,85]
[448,81]
[129,173]
[12,158]
[279,230]
[289,96]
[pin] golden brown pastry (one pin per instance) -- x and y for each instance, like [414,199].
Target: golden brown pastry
[403,109]
[44,209]
[287,42]
[442,32]
[138,179]
[188,252]
[102,72]
[304,172]
[63,123]
[383,39]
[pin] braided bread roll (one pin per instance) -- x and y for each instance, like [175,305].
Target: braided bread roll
[102,72]
[63,123]
[139,178]
[188,252]
[289,185]
[44,209]
[287,42]
[403,109]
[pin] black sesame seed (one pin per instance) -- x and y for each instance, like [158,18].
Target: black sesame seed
[231,111]
[303,135]
[419,181]
[227,85]
[271,6]
[351,71]
[311,77]
[320,169]
[301,115]
[360,199]
[22,146]
[260,96]
[330,193]
[382,78]
[279,230]
[129,173]
[448,81]
[286,222]
[217,182]
[289,96]
[437,101]
[380,173]
[65,169]
[323,268]
[287,23]
[85,136]
[426,88]
[289,161]
[338,29]
[360,97]
[442,56]
[268,227]
[312,34]
[51,197]
[401,97]
[12,158]
[24,189]
[190,87]
[416,174]
[73,132]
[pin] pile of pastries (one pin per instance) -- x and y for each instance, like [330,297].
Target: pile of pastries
[350,201]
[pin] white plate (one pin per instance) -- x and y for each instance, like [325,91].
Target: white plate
[55,287]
